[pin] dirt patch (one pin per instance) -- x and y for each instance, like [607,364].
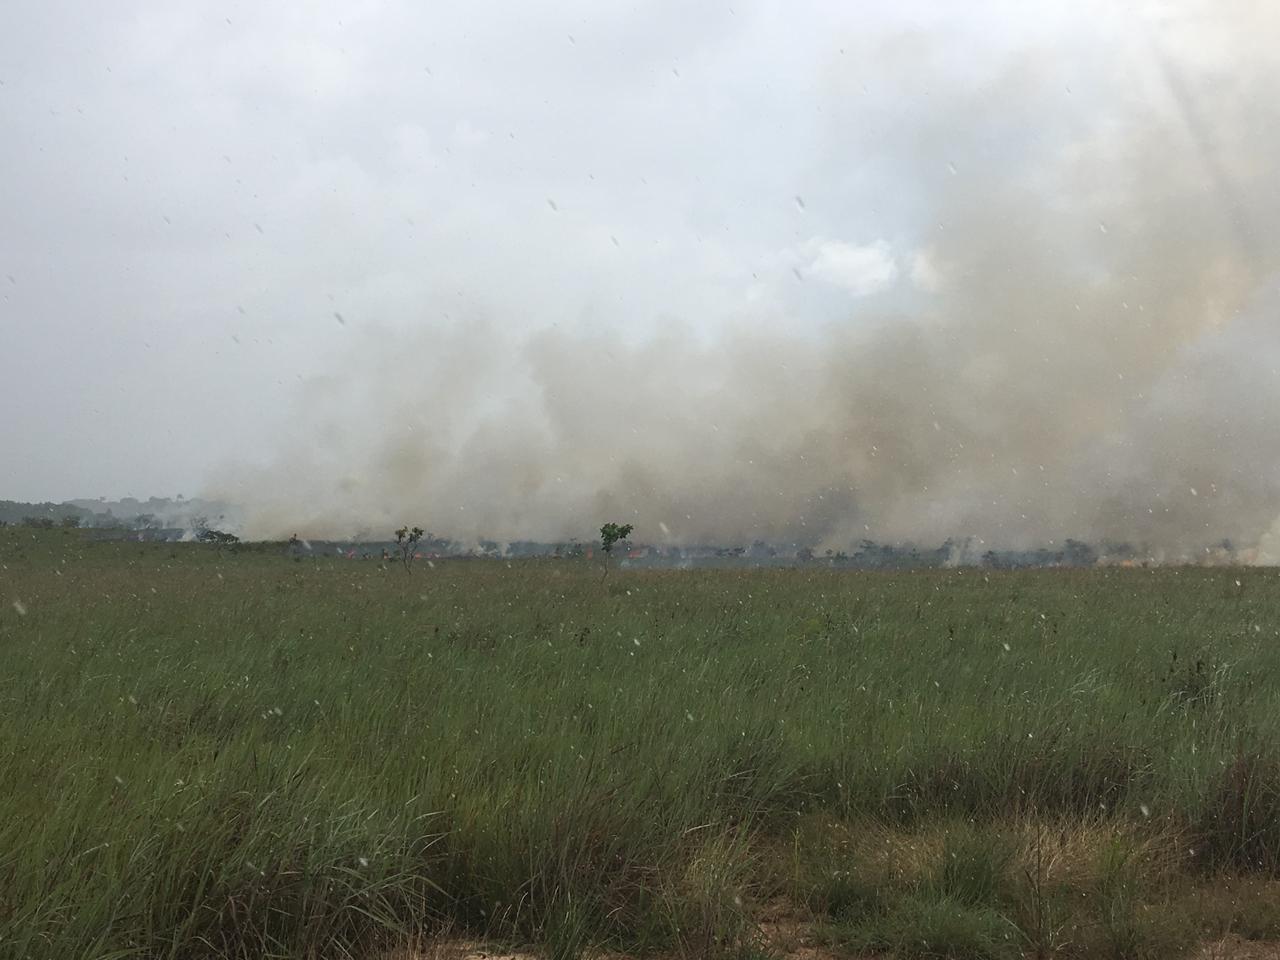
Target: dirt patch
[1233,947]
[458,950]
[787,936]
[795,942]
[787,933]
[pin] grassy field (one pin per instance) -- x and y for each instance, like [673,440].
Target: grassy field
[209,753]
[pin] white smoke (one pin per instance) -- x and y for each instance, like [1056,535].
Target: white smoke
[1080,343]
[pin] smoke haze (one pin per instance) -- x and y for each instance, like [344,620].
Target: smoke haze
[1066,328]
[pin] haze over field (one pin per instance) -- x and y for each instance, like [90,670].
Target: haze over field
[1003,271]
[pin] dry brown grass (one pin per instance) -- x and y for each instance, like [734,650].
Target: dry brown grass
[1069,851]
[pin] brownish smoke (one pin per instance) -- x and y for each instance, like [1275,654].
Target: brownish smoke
[1095,355]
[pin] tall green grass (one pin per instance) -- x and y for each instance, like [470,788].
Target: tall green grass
[209,753]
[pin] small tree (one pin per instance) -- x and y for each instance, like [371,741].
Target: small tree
[407,544]
[610,534]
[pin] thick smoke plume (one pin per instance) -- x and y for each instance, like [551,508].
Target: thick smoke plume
[1081,341]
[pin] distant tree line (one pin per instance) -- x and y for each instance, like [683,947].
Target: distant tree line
[43,515]
[152,516]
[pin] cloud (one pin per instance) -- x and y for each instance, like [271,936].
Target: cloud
[924,271]
[859,269]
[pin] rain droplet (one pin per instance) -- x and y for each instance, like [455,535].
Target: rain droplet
[339,317]
[799,202]
[552,204]
[20,607]
[1102,226]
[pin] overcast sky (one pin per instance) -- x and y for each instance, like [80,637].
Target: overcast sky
[208,206]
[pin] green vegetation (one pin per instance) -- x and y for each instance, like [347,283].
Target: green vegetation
[211,752]
[610,534]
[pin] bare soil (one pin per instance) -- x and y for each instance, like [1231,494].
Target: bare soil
[791,939]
